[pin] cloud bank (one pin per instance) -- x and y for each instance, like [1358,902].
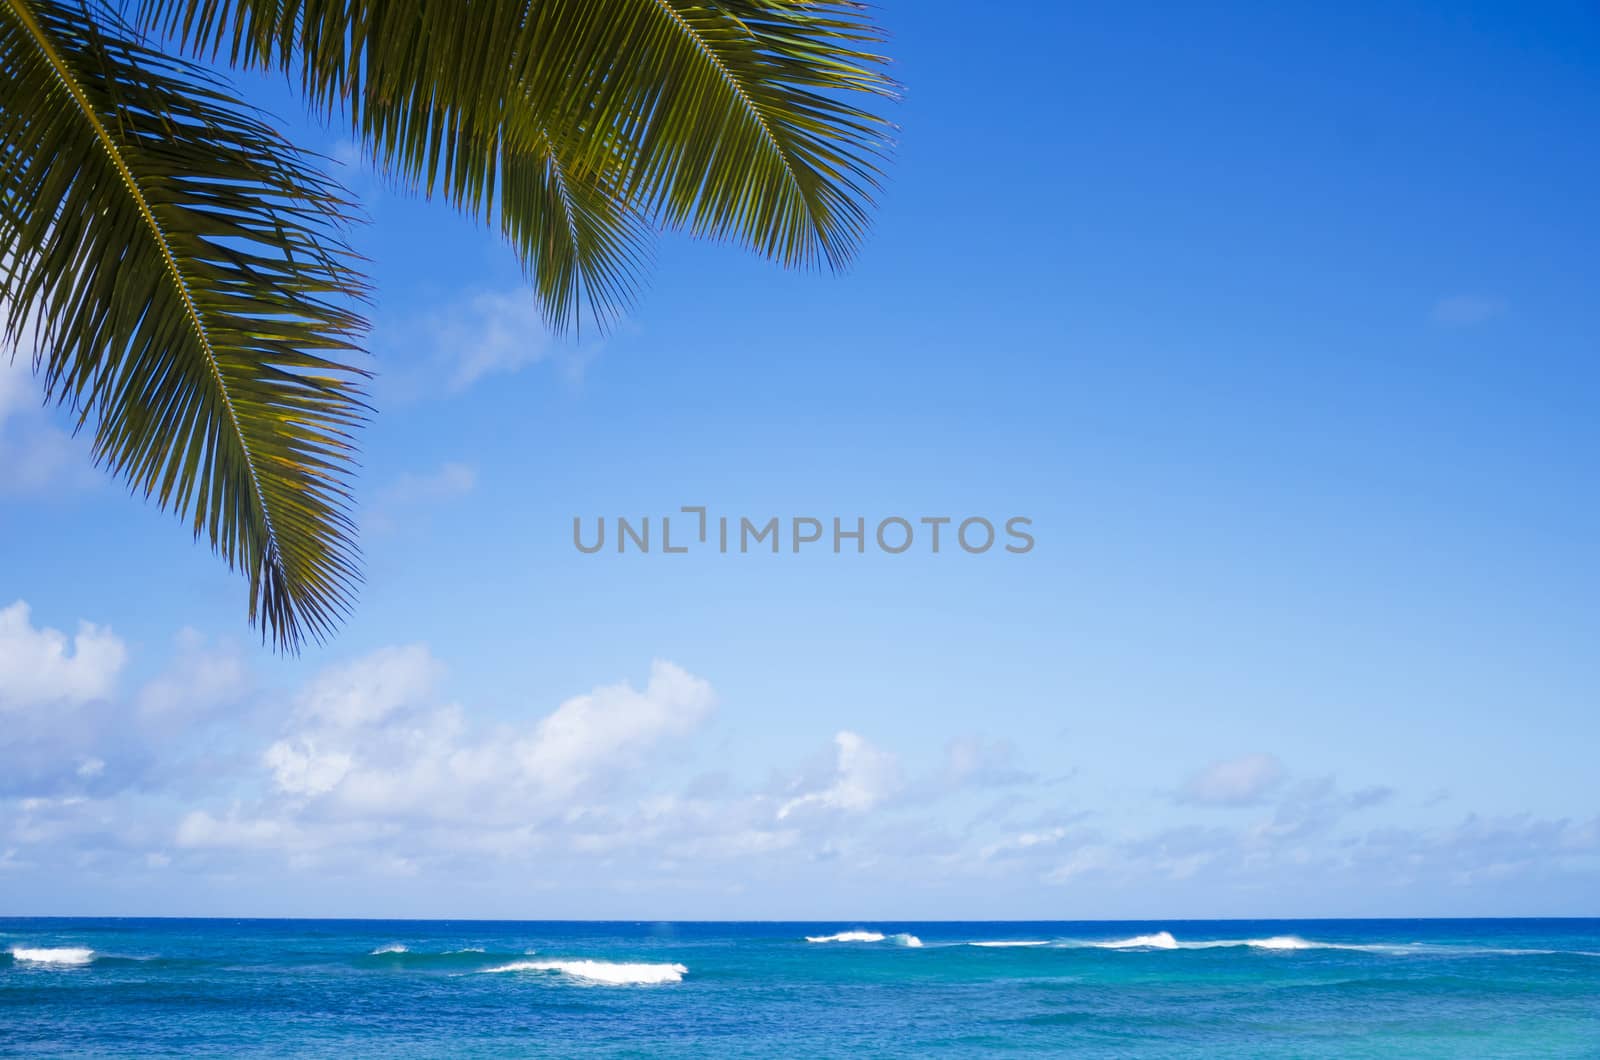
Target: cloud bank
[369,779]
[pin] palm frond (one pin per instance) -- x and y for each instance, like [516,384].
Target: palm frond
[741,119]
[745,118]
[184,268]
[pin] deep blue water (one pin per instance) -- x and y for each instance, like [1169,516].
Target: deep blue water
[1338,988]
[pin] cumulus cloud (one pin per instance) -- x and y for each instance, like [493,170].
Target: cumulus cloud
[611,726]
[200,678]
[369,770]
[1243,781]
[41,665]
[370,688]
[861,778]
[70,732]
[300,769]
[368,742]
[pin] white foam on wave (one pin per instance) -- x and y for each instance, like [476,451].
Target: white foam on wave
[391,947]
[1164,940]
[470,949]
[53,955]
[850,936]
[1285,942]
[610,973]
[1290,943]
[1007,943]
[1161,940]
[904,939]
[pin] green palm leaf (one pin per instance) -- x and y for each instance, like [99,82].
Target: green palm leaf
[740,119]
[182,266]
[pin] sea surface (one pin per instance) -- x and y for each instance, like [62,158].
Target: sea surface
[371,988]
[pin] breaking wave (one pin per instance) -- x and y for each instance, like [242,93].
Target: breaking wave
[1008,943]
[1161,940]
[900,939]
[609,973]
[1285,942]
[1164,940]
[52,955]
[848,936]
[461,959]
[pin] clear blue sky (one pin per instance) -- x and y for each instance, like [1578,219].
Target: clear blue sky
[1279,324]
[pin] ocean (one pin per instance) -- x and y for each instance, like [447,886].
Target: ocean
[403,988]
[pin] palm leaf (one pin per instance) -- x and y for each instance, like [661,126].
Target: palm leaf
[740,119]
[184,270]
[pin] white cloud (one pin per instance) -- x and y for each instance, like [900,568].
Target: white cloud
[371,688]
[465,339]
[494,332]
[610,726]
[368,773]
[500,333]
[367,742]
[862,777]
[1243,781]
[200,678]
[201,829]
[39,666]
[300,769]
[1465,310]
[1023,841]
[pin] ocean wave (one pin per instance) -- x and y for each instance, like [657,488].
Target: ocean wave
[471,958]
[1161,940]
[1007,943]
[1286,942]
[899,939]
[52,955]
[1291,943]
[609,973]
[848,936]
[1164,940]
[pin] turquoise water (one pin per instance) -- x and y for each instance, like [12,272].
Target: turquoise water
[1388,988]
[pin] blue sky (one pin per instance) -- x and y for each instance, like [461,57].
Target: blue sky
[1280,328]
